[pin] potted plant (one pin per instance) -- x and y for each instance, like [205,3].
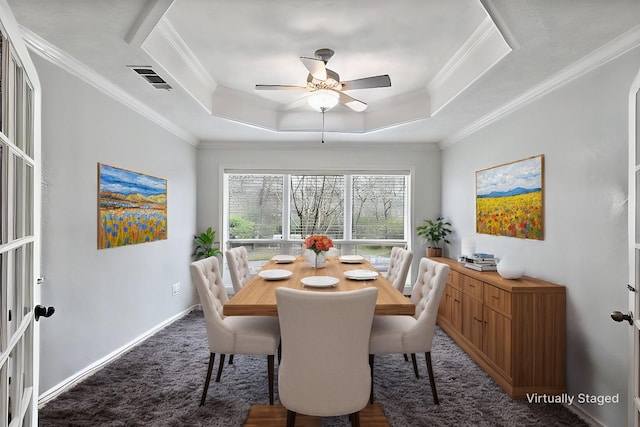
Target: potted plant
[433,232]
[205,245]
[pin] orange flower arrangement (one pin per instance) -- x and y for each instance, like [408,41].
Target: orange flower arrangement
[318,243]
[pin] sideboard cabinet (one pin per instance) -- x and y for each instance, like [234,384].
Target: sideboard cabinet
[514,329]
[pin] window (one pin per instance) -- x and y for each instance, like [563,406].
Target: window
[255,206]
[378,207]
[271,213]
[317,205]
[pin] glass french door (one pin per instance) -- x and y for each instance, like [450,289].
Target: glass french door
[19,226]
[634,253]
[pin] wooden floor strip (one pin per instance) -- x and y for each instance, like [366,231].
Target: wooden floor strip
[276,416]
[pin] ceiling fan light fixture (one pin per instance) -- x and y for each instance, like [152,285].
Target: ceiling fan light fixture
[323,100]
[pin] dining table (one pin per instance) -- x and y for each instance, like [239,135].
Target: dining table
[340,273]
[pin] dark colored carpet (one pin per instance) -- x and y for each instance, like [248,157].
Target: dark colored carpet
[159,383]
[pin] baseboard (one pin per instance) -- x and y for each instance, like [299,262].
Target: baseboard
[576,409]
[63,386]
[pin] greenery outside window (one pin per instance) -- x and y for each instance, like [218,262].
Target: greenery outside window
[271,213]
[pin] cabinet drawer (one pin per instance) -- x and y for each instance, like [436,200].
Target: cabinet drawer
[455,279]
[472,287]
[497,299]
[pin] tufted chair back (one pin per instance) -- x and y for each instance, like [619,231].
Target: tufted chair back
[325,339]
[426,295]
[238,262]
[399,265]
[207,279]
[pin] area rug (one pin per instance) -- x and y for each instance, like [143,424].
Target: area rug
[159,383]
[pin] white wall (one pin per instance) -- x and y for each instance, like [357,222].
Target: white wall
[424,161]
[104,298]
[582,131]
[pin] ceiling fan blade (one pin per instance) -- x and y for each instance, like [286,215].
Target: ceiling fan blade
[352,103]
[316,67]
[367,82]
[280,87]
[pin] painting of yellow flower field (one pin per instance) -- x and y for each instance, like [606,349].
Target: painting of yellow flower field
[132,207]
[509,199]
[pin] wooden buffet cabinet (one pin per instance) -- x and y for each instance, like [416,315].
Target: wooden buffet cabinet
[514,329]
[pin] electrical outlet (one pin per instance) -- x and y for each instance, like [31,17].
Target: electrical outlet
[176,288]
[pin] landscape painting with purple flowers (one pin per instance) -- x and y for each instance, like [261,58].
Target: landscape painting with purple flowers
[132,207]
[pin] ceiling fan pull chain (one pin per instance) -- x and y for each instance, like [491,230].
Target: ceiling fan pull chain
[323,110]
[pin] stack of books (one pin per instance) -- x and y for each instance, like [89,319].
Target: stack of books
[481,262]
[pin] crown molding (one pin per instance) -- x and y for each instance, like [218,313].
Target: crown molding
[592,61]
[316,145]
[165,46]
[147,20]
[68,63]
[481,52]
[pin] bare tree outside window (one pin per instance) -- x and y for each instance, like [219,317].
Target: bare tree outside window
[317,205]
[378,206]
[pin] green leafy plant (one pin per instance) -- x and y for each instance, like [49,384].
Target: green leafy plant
[205,245]
[435,231]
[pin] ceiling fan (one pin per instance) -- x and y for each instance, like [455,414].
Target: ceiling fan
[324,87]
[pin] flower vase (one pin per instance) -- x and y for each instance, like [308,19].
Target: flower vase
[320,260]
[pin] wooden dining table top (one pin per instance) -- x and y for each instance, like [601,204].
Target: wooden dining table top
[258,296]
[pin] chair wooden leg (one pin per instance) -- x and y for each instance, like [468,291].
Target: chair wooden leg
[212,358]
[415,364]
[231,359]
[220,366]
[371,366]
[432,380]
[291,418]
[355,419]
[270,361]
[406,359]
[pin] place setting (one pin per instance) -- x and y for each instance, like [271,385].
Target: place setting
[351,259]
[361,274]
[320,281]
[275,274]
[283,259]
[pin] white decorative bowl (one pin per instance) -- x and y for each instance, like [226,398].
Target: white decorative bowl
[510,269]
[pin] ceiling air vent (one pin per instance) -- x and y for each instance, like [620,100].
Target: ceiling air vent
[151,76]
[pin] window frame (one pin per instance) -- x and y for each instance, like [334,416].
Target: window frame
[348,243]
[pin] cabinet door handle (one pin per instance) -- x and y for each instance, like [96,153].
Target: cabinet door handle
[496,297]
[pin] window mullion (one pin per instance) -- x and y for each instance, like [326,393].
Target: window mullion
[348,207]
[286,207]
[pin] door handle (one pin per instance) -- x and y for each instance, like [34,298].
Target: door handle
[619,317]
[41,311]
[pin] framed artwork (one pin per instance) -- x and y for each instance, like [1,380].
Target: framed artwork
[509,199]
[132,207]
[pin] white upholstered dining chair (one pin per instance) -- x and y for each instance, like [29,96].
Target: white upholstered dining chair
[325,345]
[413,334]
[231,334]
[399,264]
[238,263]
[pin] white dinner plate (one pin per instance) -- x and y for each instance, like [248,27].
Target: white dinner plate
[283,259]
[361,274]
[320,281]
[275,274]
[351,259]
